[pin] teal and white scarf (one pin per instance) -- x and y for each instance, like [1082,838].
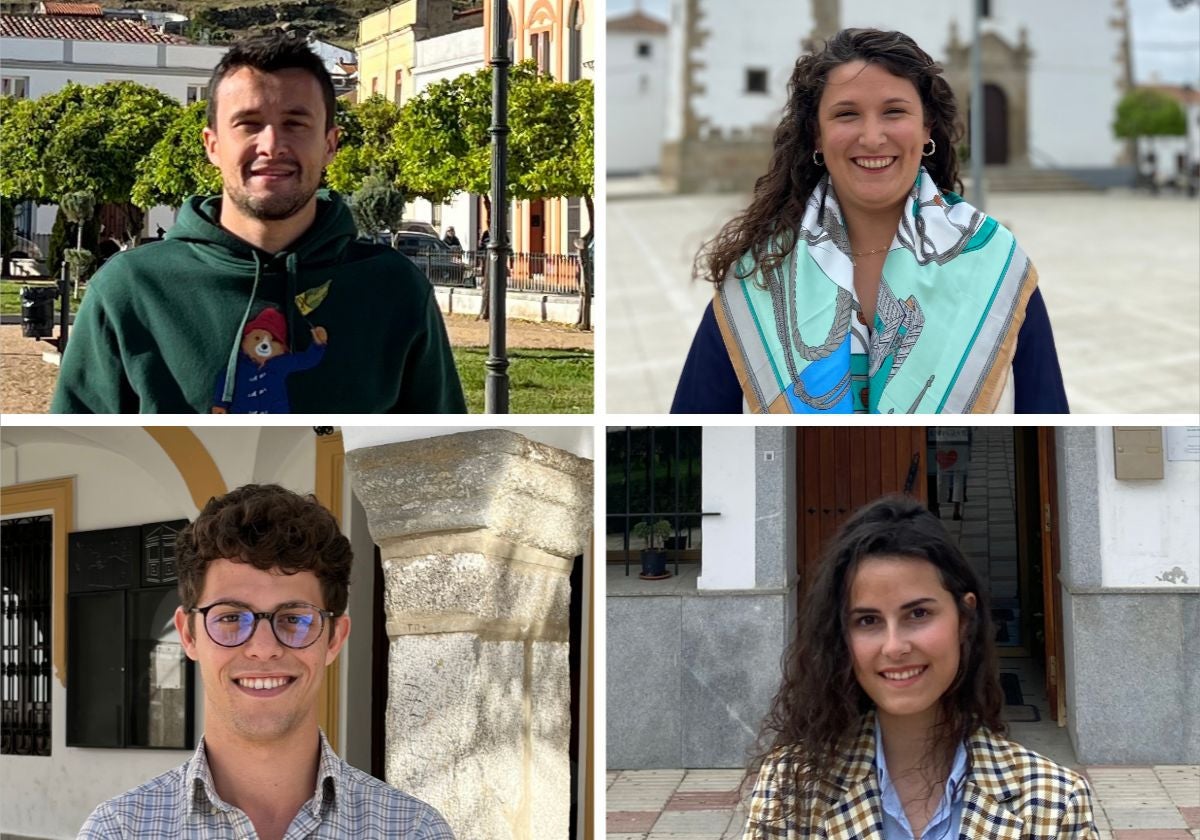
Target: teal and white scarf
[951,301]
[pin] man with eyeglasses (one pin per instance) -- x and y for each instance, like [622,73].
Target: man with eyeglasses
[264,578]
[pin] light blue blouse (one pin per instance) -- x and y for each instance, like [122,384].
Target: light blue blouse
[945,821]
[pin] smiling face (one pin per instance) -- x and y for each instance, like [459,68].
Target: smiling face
[904,633]
[261,690]
[261,346]
[269,141]
[871,130]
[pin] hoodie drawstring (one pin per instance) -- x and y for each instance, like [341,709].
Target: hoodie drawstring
[231,365]
[292,262]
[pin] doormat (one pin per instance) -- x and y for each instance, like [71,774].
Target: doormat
[1025,713]
[1010,684]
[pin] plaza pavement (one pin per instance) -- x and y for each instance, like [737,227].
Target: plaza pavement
[1129,803]
[1120,273]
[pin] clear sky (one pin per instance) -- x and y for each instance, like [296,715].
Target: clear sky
[1166,41]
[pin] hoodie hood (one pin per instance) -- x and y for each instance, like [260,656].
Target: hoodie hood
[322,244]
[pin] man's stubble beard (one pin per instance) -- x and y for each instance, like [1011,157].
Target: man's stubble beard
[272,208]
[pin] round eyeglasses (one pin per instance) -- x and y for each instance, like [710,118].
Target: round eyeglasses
[294,625]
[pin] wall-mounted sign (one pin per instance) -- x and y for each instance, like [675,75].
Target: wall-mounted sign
[1183,443]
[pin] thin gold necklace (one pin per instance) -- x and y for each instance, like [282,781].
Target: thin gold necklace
[854,254]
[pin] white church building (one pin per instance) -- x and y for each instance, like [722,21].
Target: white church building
[1049,97]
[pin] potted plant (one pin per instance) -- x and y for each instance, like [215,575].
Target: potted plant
[654,556]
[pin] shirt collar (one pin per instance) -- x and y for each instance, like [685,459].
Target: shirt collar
[891,800]
[201,793]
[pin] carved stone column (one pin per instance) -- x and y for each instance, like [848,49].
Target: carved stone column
[478,532]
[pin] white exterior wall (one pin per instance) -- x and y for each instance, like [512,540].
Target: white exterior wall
[124,478]
[637,100]
[728,486]
[767,36]
[437,59]
[1147,528]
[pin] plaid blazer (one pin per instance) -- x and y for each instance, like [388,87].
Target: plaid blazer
[1011,793]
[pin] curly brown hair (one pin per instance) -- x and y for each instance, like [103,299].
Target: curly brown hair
[820,703]
[268,527]
[767,228]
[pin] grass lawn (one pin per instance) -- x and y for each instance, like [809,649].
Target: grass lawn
[10,297]
[539,381]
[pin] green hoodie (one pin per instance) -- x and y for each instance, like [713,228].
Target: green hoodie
[161,327]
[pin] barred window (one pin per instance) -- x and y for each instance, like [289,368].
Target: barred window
[25,584]
[654,477]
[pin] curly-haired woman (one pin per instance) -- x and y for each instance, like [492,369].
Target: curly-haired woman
[856,281]
[887,724]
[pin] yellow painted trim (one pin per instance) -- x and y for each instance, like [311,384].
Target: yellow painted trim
[328,488]
[57,496]
[194,463]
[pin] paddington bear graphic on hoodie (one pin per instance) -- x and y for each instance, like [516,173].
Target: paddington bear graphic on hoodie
[163,327]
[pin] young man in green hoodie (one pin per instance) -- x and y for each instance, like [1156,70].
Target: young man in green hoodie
[178,326]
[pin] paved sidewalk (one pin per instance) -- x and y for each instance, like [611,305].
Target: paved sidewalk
[1118,271]
[1130,803]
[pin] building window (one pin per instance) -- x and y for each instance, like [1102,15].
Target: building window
[756,80]
[15,86]
[574,222]
[644,49]
[131,684]
[653,478]
[374,85]
[539,50]
[575,44]
[25,598]
[985,8]
[398,87]
[197,93]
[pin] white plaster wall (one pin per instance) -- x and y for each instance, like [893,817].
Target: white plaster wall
[124,478]
[637,98]
[728,487]
[1147,528]
[104,52]
[766,35]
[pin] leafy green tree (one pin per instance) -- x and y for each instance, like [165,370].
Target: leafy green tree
[363,149]
[177,166]
[1149,113]
[441,143]
[83,138]
[377,206]
[78,207]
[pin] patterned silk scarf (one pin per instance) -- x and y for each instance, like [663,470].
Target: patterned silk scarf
[951,302]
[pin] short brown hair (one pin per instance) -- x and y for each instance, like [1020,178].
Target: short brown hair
[268,527]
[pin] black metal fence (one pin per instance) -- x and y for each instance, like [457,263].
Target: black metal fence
[25,636]
[554,274]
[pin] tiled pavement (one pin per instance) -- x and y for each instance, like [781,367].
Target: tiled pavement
[1130,803]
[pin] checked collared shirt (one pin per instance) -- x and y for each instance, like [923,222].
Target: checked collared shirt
[183,803]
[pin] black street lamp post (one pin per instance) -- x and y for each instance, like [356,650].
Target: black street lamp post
[495,394]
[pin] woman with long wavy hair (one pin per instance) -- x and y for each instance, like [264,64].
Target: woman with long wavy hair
[857,280]
[887,724]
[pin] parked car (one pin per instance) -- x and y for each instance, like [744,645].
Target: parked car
[442,264]
[418,227]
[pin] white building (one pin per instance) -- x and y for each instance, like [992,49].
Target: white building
[40,54]
[637,92]
[1050,100]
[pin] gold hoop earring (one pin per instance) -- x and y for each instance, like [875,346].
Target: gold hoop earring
[933,148]
[820,162]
